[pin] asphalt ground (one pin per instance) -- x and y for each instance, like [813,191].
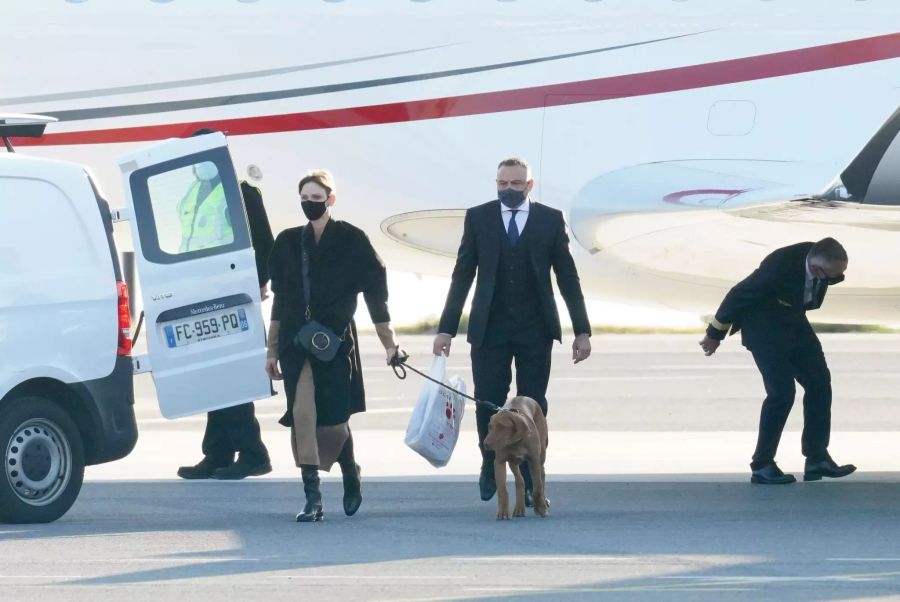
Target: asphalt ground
[647,472]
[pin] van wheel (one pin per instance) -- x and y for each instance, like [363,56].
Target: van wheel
[43,461]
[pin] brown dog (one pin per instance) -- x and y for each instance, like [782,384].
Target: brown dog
[517,432]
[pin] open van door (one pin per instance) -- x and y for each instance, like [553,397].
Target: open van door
[197,272]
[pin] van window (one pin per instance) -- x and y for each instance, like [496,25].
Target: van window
[189,208]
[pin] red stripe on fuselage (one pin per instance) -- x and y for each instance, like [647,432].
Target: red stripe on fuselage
[790,62]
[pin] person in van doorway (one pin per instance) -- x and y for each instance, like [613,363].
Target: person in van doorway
[235,430]
[769,308]
[318,271]
[203,211]
[512,243]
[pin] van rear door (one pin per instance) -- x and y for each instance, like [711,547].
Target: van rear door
[197,273]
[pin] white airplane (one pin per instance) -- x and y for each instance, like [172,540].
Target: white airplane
[684,139]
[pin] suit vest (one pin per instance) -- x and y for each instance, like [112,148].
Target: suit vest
[516,304]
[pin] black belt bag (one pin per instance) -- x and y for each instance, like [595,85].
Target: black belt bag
[317,339]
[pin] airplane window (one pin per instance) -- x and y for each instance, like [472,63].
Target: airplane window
[190,209]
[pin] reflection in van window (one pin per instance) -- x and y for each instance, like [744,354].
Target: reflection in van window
[190,209]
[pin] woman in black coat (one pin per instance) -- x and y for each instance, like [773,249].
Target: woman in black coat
[322,395]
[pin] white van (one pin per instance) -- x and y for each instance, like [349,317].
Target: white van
[66,374]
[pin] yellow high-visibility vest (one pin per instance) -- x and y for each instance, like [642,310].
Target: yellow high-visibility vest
[205,224]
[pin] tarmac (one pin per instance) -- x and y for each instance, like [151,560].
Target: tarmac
[647,473]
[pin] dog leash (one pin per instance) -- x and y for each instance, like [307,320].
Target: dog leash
[399,366]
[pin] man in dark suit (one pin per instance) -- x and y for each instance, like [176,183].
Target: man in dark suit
[769,307]
[512,243]
[235,430]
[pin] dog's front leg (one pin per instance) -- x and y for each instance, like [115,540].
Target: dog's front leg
[541,507]
[519,510]
[502,494]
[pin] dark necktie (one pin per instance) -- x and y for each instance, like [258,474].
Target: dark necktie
[513,230]
[819,292]
[818,288]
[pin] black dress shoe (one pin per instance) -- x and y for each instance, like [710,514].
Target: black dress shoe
[770,474]
[814,471]
[487,484]
[204,469]
[312,513]
[240,470]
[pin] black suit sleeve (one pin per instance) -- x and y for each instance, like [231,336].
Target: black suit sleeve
[567,280]
[275,267]
[374,277]
[745,294]
[260,230]
[461,281]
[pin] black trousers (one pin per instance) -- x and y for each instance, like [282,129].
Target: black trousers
[234,430]
[492,373]
[784,356]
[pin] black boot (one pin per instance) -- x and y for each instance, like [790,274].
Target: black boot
[352,476]
[312,511]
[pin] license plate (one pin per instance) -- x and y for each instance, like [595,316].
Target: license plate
[208,326]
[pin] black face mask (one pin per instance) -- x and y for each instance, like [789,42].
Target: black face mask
[835,280]
[511,198]
[313,210]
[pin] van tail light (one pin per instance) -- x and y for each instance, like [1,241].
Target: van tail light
[124,319]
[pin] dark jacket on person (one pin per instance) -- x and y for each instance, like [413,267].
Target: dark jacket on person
[769,302]
[480,250]
[343,264]
[260,230]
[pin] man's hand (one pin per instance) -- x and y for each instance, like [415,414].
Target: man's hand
[442,344]
[272,368]
[581,348]
[263,292]
[709,345]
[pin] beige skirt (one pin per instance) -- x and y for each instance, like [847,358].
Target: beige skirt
[312,445]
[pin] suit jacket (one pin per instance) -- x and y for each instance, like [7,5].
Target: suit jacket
[260,230]
[770,299]
[479,253]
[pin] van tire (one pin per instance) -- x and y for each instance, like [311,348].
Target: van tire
[43,461]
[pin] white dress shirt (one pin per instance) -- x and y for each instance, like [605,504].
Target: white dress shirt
[521,216]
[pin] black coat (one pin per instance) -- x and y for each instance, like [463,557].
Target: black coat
[480,251]
[260,230]
[343,264]
[769,302]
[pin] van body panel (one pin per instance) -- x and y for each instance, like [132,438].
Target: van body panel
[115,426]
[59,302]
[58,298]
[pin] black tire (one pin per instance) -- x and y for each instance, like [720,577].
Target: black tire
[43,461]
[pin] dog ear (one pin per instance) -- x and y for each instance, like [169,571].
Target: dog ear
[522,427]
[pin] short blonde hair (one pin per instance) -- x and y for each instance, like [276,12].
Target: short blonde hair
[322,177]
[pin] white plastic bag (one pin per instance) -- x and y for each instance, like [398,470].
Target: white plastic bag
[434,426]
